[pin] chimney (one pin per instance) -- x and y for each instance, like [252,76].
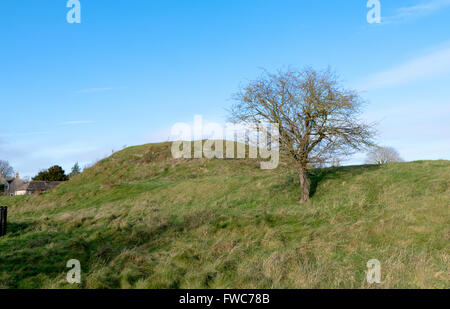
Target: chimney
[17,175]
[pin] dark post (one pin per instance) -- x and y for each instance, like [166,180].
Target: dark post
[3,214]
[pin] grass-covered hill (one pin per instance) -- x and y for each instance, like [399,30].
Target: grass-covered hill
[140,219]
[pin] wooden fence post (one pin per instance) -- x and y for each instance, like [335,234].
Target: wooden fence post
[3,217]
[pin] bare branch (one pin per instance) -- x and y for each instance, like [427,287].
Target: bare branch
[317,117]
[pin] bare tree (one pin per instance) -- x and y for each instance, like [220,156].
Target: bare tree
[5,169]
[336,162]
[382,155]
[318,119]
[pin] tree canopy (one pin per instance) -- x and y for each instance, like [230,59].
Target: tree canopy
[54,173]
[382,155]
[75,170]
[318,118]
[5,169]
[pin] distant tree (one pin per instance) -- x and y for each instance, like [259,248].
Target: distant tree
[5,169]
[318,118]
[54,173]
[336,162]
[75,170]
[382,155]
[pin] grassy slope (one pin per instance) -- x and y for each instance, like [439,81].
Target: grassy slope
[142,220]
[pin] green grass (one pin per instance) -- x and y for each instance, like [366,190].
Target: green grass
[140,219]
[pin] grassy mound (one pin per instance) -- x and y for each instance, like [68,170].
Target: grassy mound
[140,219]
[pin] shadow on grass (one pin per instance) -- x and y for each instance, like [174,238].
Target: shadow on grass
[32,258]
[318,175]
[15,228]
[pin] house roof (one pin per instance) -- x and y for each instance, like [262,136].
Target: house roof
[4,180]
[42,185]
[22,186]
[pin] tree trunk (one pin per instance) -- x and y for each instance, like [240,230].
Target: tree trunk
[305,184]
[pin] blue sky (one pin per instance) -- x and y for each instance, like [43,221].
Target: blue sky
[132,69]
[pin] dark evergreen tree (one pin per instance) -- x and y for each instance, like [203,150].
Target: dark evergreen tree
[54,173]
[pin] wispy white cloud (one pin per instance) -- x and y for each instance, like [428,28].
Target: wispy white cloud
[431,65]
[74,122]
[94,90]
[30,155]
[419,10]
[25,134]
